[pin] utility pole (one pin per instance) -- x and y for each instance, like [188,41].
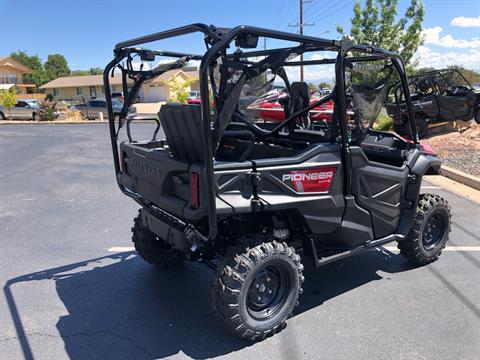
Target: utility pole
[301,25]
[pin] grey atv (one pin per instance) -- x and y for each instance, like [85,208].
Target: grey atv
[440,95]
[254,204]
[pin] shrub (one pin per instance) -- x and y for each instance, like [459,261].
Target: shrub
[8,98]
[47,110]
[383,123]
[74,115]
[179,89]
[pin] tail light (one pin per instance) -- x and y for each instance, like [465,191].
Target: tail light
[122,161]
[428,149]
[194,190]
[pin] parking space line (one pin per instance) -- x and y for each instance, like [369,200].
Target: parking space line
[447,248]
[120,248]
[431,187]
[389,248]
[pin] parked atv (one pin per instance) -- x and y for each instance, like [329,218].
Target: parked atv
[440,95]
[255,204]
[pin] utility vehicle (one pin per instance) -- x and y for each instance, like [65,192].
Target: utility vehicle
[255,204]
[439,95]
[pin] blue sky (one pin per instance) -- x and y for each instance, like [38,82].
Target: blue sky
[86,31]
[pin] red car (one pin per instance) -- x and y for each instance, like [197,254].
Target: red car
[194,97]
[270,109]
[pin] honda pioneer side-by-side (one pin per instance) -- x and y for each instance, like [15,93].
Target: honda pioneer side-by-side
[439,95]
[256,203]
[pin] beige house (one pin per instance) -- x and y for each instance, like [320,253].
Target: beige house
[73,88]
[11,75]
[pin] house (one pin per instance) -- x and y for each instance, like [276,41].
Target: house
[71,88]
[11,75]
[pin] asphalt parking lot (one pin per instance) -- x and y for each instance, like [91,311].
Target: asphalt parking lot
[67,293]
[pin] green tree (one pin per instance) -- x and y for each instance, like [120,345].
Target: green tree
[472,77]
[91,71]
[8,98]
[179,88]
[96,71]
[79,73]
[324,85]
[38,75]
[312,87]
[56,66]
[376,24]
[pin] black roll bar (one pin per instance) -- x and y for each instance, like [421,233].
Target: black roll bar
[217,40]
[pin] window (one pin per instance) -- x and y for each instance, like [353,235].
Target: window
[103,89]
[21,104]
[79,91]
[93,91]
[56,92]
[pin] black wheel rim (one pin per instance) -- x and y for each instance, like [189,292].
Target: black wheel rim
[268,292]
[433,231]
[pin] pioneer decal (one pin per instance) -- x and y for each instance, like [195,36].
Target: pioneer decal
[310,180]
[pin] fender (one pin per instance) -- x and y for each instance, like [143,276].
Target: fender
[422,163]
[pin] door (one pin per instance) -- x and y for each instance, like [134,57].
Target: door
[453,107]
[21,110]
[380,189]
[155,93]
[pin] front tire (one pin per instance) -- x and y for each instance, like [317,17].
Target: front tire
[422,127]
[477,116]
[256,289]
[151,248]
[429,233]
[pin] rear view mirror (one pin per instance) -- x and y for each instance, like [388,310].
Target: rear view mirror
[246,41]
[147,56]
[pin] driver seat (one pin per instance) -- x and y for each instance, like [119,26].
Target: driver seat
[300,96]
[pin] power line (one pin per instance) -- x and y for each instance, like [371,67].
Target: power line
[278,14]
[333,10]
[301,24]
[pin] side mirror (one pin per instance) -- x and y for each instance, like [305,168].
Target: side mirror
[247,41]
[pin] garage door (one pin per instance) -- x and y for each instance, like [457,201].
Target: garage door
[155,93]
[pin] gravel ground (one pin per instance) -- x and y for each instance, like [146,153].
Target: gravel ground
[459,150]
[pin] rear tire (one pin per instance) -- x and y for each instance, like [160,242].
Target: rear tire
[477,116]
[151,248]
[255,290]
[422,127]
[429,233]
[2,116]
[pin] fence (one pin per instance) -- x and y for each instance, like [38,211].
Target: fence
[31,96]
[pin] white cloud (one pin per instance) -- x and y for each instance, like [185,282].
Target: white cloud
[426,57]
[464,22]
[432,36]
[313,73]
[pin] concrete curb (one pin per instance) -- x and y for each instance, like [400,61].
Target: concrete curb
[7,122]
[13,122]
[461,177]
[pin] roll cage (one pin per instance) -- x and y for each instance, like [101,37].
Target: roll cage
[225,96]
[432,80]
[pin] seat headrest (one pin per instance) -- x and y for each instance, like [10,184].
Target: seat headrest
[182,125]
[299,90]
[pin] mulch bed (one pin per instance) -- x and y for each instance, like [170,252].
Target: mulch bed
[459,150]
